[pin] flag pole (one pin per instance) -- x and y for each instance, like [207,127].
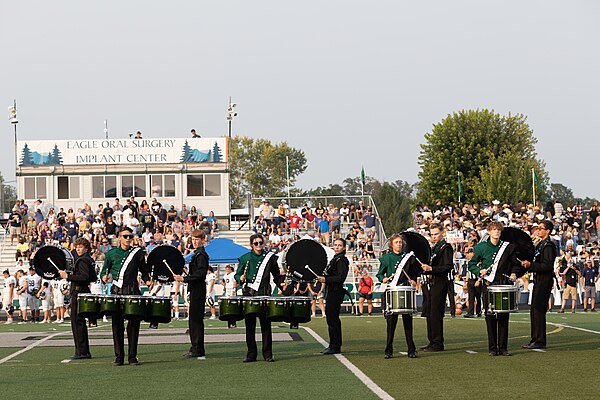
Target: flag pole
[533,184]
[459,188]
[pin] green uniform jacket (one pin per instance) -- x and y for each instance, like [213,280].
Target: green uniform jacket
[388,266]
[483,257]
[113,261]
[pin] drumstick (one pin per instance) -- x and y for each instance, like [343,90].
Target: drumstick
[165,261]
[508,276]
[52,262]
[313,272]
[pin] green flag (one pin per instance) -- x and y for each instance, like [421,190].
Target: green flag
[362,175]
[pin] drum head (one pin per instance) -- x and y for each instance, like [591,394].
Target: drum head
[48,258]
[160,257]
[417,243]
[524,245]
[302,253]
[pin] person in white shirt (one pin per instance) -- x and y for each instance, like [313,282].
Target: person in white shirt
[7,295]
[211,278]
[35,282]
[229,282]
[22,287]
[44,294]
[59,299]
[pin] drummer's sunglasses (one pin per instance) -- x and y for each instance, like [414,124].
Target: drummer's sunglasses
[257,243]
[127,236]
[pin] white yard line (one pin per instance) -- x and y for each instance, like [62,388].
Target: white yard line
[31,346]
[573,327]
[373,387]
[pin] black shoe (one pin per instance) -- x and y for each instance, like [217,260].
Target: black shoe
[330,351]
[153,326]
[527,346]
[505,353]
[493,353]
[535,346]
[585,310]
[269,359]
[324,350]
[248,360]
[189,354]
[468,316]
[134,361]
[117,363]
[479,315]
[433,349]
[412,354]
[424,347]
[81,357]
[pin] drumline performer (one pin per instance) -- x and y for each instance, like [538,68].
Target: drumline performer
[83,274]
[492,261]
[398,269]
[196,281]
[253,270]
[334,276]
[543,269]
[124,263]
[437,270]
[7,296]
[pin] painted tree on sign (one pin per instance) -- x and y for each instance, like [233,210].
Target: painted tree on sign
[26,158]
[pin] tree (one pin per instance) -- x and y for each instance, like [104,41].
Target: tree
[8,196]
[560,192]
[216,155]
[258,166]
[464,143]
[26,158]
[186,153]
[393,202]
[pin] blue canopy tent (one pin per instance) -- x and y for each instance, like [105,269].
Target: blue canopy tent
[222,251]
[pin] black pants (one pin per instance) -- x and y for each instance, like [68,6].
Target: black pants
[267,336]
[133,335]
[426,299]
[538,310]
[392,322]
[333,307]
[196,322]
[435,316]
[451,300]
[79,328]
[474,294]
[497,327]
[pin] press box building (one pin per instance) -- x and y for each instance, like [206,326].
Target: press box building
[69,173]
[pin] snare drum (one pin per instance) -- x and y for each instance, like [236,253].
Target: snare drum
[231,308]
[400,300]
[109,304]
[300,309]
[134,307]
[503,298]
[88,305]
[158,310]
[278,309]
[254,306]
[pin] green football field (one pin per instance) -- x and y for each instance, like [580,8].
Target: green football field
[464,370]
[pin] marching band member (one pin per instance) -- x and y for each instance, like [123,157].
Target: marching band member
[336,273]
[253,270]
[124,263]
[196,280]
[492,261]
[398,269]
[437,270]
[83,274]
[543,268]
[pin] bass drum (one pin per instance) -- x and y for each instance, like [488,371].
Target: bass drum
[49,259]
[163,261]
[303,253]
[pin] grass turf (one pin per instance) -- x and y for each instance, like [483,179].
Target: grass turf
[301,372]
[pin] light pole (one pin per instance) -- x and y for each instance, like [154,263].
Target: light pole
[105,129]
[230,114]
[12,117]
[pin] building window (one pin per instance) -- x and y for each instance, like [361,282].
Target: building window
[68,187]
[35,188]
[162,185]
[212,185]
[204,185]
[133,185]
[104,187]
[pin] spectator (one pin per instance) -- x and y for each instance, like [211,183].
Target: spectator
[365,292]
[295,222]
[570,276]
[324,228]
[589,277]
[369,219]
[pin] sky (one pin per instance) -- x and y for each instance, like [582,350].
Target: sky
[349,82]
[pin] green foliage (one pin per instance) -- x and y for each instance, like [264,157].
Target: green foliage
[468,142]
[258,166]
[8,196]
[560,192]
